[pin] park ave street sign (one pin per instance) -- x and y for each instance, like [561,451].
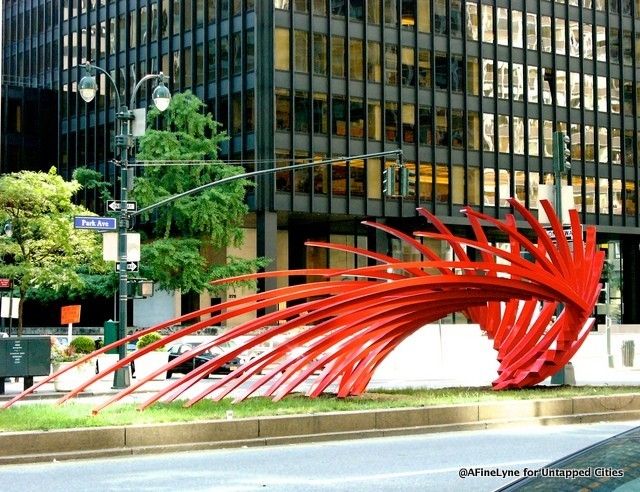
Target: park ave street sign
[114,205]
[96,223]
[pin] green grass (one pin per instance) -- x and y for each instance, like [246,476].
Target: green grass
[47,416]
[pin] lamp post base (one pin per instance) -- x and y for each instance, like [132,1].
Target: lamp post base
[122,378]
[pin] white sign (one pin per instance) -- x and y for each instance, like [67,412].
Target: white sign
[110,246]
[8,306]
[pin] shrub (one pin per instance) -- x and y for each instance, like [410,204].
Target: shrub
[83,345]
[148,339]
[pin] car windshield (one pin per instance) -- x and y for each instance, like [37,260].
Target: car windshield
[611,465]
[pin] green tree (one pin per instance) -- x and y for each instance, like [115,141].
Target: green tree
[46,257]
[184,229]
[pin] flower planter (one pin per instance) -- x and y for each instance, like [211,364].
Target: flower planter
[149,362]
[73,377]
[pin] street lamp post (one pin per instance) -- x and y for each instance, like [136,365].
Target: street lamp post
[124,141]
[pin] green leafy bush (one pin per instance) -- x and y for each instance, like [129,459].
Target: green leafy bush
[83,345]
[148,339]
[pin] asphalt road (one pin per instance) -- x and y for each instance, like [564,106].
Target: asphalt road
[422,462]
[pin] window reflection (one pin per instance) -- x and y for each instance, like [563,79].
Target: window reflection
[502,26]
[424,69]
[602,93]
[532,32]
[473,137]
[487,77]
[473,76]
[472,21]
[560,36]
[545,31]
[534,141]
[442,183]
[518,135]
[374,69]
[589,143]
[374,121]
[487,23]
[588,91]
[587,41]
[319,54]
[616,152]
[442,127]
[488,132]
[517,29]
[503,134]
[532,84]
[575,89]
[425,120]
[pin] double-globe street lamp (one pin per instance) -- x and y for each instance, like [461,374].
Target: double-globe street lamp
[124,141]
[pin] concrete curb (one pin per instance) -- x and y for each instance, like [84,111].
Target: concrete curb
[31,447]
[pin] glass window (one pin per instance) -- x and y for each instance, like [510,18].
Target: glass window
[504,177]
[442,71]
[502,26]
[473,135]
[627,48]
[457,73]
[319,54]
[616,150]
[518,135]
[472,21]
[320,113]
[589,143]
[426,181]
[603,195]
[391,64]
[442,183]
[391,121]
[547,136]
[533,147]
[487,77]
[457,184]
[517,29]
[615,95]
[283,110]
[440,25]
[425,119]
[590,194]
[502,79]
[339,116]
[302,112]
[614,45]
[576,141]
[442,127]
[424,17]
[603,145]
[390,12]
[457,129]
[627,96]
[587,41]
[545,32]
[518,82]
[281,47]
[408,10]
[629,154]
[588,91]
[374,178]
[282,4]
[630,207]
[337,57]
[473,76]
[455,15]
[488,132]
[302,51]
[338,7]
[424,69]
[602,94]
[561,88]
[532,85]
[374,69]
[574,38]
[356,108]
[532,32]
[601,43]
[408,123]
[408,67]
[373,11]
[487,23]
[298,6]
[575,89]
[489,187]
[356,70]
[503,134]
[374,121]
[473,186]
[560,36]
[224,56]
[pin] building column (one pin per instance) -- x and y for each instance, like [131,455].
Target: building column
[630,249]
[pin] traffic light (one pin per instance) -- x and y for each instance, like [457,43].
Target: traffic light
[395,175]
[389,181]
[561,152]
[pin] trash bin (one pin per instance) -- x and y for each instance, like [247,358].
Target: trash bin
[628,353]
[110,334]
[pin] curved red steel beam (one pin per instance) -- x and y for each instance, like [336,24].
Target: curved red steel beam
[346,327]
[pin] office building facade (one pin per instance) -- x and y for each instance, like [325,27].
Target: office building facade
[471,91]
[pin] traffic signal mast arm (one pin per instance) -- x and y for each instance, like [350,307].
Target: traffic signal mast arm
[396,152]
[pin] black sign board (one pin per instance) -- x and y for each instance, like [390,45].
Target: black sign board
[25,356]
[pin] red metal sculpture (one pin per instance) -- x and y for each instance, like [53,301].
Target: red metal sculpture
[347,324]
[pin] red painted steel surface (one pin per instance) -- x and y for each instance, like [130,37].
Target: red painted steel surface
[339,330]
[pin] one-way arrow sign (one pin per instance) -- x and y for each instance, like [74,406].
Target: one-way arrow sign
[132,266]
[114,205]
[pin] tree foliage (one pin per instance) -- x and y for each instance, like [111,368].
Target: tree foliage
[46,257]
[182,229]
